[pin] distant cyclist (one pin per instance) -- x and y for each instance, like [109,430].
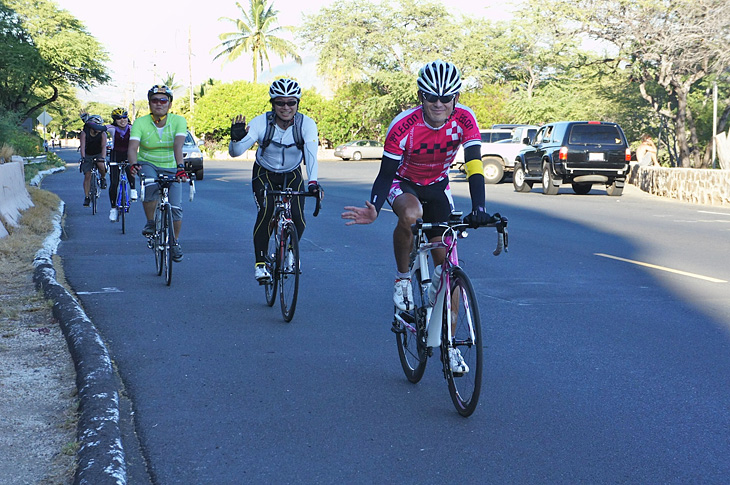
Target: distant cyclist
[156,143]
[92,144]
[278,159]
[119,132]
[420,145]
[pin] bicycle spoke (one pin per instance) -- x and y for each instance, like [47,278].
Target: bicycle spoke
[462,318]
[271,264]
[289,272]
[169,241]
[158,243]
[409,328]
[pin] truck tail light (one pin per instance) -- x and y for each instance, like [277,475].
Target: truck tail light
[628,155]
[563,154]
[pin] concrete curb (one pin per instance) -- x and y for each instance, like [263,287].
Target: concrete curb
[101,457]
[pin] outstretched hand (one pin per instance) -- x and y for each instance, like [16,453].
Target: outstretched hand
[238,128]
[360,215]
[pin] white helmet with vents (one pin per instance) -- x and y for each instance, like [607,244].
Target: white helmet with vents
[439,78]
[285,88]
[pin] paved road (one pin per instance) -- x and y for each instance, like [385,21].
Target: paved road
[599,370]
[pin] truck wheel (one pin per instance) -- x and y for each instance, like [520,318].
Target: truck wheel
[548,187]
[518,180]
[493,170]
[582,188]
[614,191]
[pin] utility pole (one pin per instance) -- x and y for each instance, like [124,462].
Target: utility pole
[190,71]
[134,88]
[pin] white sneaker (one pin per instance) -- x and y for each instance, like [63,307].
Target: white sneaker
[403,294]
[262,274]
[113,214]
[457,362]
[133,194]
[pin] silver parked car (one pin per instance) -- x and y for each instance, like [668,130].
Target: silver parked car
[192,156]
[359,149]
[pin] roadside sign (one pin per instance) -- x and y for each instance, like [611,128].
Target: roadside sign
[44,118]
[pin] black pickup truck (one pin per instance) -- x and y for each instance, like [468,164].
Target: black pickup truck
[581,153]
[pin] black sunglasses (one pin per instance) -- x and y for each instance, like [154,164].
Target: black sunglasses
[285,103]
[159,100]
[432,98]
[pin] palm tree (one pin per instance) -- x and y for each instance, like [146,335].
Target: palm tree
[170,82]
[256,34]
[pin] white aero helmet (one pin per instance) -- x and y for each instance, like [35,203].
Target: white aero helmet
[439,78]
[285,88]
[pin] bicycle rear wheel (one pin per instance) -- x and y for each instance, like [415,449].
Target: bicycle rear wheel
[289,272]
[410,335]
[159,242]
[93,192]
[467,338]
[169,241]
[272,264]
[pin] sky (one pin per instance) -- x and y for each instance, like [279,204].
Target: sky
[145,44]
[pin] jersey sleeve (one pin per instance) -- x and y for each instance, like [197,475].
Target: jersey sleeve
[397,132]
[135,133]
[311,146]
[468,121]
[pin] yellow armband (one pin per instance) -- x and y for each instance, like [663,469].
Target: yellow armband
[473,166]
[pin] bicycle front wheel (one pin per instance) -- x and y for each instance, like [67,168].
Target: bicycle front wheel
[159,241]
[169,241]
[123,204]
[410,335]
[466,337]
[93,193]
[289,272]
[272,265]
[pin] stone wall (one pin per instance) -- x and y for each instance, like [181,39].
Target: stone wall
[699,186]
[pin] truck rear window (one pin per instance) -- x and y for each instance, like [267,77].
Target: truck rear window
[595,134]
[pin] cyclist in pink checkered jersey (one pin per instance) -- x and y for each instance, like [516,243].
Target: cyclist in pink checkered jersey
[420,146]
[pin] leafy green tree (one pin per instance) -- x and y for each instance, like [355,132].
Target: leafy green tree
[213,113]
[256,34]
[364,40]
[670,47]
[61,53]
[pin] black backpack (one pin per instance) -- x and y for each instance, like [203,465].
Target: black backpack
[297,132]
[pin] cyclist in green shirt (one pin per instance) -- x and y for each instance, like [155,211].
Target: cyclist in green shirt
[156,144]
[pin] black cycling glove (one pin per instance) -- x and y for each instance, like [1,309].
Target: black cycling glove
[476,218]
[238,131]
[314,187]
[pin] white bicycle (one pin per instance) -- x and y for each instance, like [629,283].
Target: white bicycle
[452,323]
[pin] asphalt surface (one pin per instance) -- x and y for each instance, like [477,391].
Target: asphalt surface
[598,369]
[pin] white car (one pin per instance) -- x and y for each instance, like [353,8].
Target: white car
[360,149]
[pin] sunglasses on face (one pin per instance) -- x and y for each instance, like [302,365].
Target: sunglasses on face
[285,103]
[159,100]
[432,98]
[117,117]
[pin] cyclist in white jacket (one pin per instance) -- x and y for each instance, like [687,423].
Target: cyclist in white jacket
[285,138]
